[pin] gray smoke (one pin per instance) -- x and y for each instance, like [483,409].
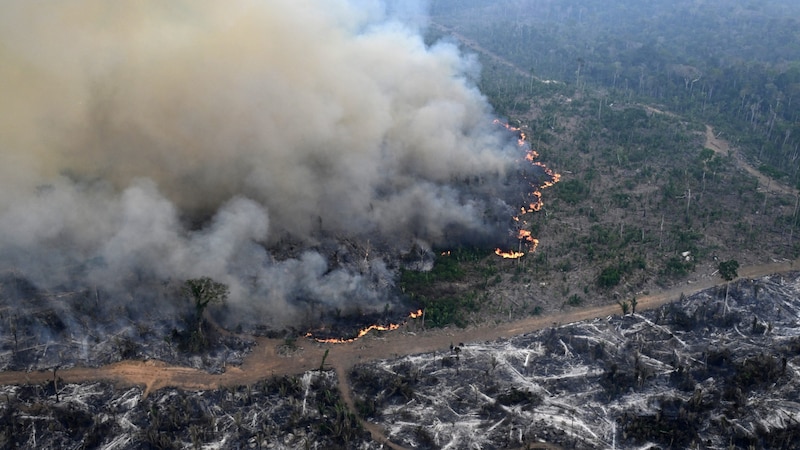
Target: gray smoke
[169,140]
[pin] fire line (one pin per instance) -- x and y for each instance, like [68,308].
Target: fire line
[364,331]
[524,236]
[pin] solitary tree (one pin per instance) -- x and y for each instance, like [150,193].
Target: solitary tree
[728,271]
[204,291]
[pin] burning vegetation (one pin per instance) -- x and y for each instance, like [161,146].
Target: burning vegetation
[534,201]
[299,193]
[363,331]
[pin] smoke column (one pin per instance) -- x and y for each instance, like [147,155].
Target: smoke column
[150,140]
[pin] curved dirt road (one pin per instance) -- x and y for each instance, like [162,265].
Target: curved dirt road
[722,147]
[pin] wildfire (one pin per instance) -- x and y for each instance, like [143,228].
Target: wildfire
[522,235]
[508,255]
[521,136]
[364,331]
[535,203]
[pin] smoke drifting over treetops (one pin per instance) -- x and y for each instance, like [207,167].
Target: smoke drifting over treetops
[168,140]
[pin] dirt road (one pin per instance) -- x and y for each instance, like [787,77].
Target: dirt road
[473,45]
[265,361]
[722,147]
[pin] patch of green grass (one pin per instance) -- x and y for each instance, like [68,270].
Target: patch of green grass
[445,268]
[676,267]
[575,300]
[445,303]
[572,191]
[448,310]
[611,275]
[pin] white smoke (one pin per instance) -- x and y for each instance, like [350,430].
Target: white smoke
[184,138]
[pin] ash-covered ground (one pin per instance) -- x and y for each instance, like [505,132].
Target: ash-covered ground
[692,374]
[280,413]
[44,330]
[65,326]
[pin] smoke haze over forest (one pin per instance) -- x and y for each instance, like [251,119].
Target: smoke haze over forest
[150,140]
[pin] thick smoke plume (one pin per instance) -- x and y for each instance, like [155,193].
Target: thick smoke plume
[150,140]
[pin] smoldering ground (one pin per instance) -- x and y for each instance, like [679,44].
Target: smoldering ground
[149,142]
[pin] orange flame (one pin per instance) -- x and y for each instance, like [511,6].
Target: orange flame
[390,327]
[364,331]
[508,255]
[520,133]
[536,203]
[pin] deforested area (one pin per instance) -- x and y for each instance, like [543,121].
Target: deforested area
[701,372]
[714,369]
[289,412]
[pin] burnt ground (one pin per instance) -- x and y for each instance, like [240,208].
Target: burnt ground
[616,226]
[59,329]
[281,412]
[691,373]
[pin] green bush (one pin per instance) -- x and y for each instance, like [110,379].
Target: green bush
[677,267]
[575,300]
[572,191]
[609,277]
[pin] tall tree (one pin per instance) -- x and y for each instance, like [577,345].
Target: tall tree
[728,270]
[204,291]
